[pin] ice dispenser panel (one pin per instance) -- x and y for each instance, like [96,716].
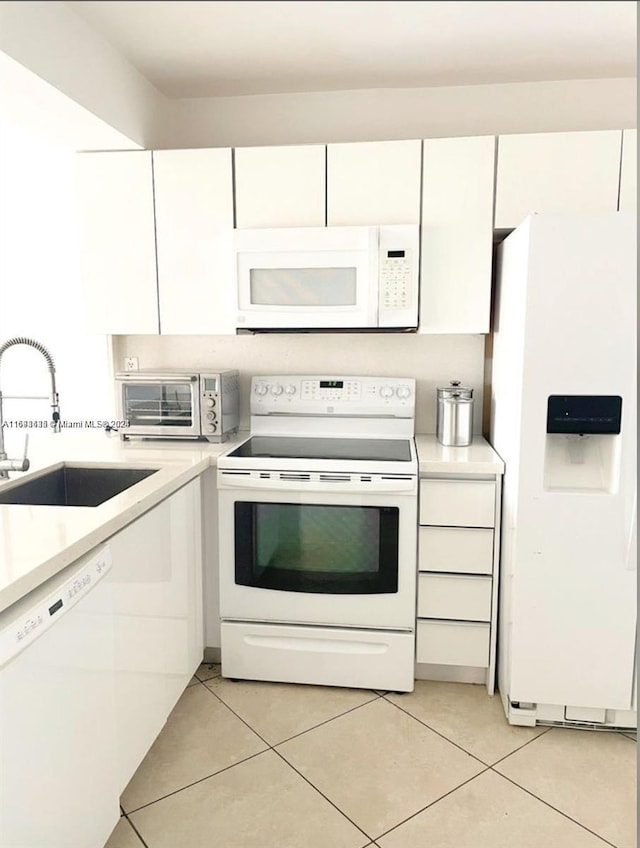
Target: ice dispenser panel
[584,414]
[582,448]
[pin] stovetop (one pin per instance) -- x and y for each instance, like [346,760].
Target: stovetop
[333,448]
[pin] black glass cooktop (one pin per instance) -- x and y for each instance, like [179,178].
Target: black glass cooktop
[290,447]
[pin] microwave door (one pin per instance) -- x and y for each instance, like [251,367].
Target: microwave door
[307,290]
[161,408]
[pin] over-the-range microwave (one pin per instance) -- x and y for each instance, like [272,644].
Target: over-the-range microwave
[178,404]
[327,278]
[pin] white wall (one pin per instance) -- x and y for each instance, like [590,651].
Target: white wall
[40,287]
[55,44]
[383,114]
[432,360]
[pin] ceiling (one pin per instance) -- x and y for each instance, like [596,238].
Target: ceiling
[217,49]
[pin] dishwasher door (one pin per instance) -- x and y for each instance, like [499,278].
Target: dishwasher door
[58,785]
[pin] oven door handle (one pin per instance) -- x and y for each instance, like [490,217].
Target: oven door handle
[318,483]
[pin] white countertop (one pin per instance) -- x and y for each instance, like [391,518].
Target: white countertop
[36,542]
[478,458]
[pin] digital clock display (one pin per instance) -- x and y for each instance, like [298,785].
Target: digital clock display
[331,384]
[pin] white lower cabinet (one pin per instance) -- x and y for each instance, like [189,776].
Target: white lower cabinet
[456,643]
[156,580]
[457,578]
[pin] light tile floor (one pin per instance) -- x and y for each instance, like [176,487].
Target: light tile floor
[269,765]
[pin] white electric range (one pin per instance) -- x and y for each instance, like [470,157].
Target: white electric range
[318,534]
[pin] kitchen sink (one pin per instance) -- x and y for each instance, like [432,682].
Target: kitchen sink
[73,485]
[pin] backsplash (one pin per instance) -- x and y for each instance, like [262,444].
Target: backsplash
[433,360]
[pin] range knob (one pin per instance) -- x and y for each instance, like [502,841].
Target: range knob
[290,389]
[209,403]
[386,391]
[276,389]
[261,388]
[403,392]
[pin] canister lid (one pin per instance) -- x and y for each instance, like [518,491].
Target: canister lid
[455,390]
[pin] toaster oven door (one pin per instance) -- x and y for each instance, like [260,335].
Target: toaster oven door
[161,407]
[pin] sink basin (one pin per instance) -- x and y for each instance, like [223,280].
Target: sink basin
[73,485]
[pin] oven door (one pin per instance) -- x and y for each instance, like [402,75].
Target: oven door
[160,406]
[318,551]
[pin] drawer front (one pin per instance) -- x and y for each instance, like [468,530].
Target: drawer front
[457,503]
[454,596]
[466,550]
[452,643]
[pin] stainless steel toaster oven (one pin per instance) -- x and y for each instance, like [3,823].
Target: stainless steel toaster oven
[178,404]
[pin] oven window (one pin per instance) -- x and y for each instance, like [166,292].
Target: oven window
[317,548]
[158,404]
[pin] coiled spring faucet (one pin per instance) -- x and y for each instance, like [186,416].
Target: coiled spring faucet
[7,464]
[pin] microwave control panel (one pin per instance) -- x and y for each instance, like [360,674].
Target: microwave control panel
[395,279]
[398,276]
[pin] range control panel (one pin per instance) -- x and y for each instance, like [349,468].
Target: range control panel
[342,396]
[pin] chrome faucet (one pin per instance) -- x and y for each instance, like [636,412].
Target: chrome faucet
[6,464]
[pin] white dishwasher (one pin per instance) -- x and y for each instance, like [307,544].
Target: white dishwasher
[58,786]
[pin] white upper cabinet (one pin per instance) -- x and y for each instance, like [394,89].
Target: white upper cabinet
[374,182]
[457,235]
[117,242]
[556,173]
[280,186]
[629,172]
[194,225]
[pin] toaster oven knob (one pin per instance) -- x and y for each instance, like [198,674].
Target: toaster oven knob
[211,428]
[276,389]
[211,416]
[209,403]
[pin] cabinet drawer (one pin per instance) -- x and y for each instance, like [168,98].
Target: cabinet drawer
[457,503]
[466,550]
[452,643]
[454,596]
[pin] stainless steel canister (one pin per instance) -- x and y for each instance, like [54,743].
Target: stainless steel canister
[455,415]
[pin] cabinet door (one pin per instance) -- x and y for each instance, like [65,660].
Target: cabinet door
[280,186]
[457,235]
[374,182]
[117,242]
[557,173]
[194,224]
[156,582]
[629,172]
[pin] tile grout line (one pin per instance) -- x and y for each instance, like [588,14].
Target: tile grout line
[246,759]
[194,783]
[437,732]
[302,732]
[136,831]
[458,745]
[291,766]
[322,795]
[555,809]
[435,801]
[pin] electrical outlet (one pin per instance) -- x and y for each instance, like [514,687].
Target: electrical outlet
[131,363]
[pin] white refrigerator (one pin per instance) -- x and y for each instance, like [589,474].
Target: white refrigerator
[563,419]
